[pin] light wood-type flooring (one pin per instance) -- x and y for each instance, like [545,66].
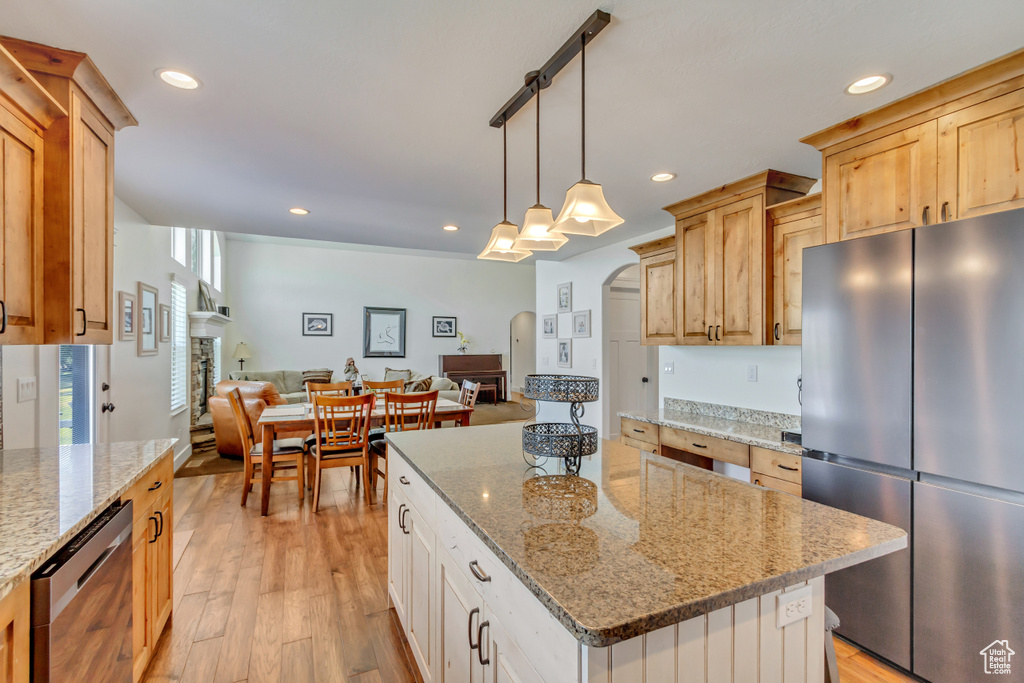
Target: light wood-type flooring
[297,597]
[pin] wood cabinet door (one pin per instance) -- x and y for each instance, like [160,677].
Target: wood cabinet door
[790,237]
[92,226]
[658,299]
[397,505]
[160,572]
[881,186]
[420,606]
[506,663]
[460,613]
[15,655]
[694,297]
[981,158]
[21,230]
[738,268]
[142,533]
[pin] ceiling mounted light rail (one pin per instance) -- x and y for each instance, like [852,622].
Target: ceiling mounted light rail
[503,245]
[536,234]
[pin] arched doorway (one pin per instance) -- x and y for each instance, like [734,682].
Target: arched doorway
[522,349]
[630,370]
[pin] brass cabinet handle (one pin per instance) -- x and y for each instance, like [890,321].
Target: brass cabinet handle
[479,573]
[85,322]
[480,643]
[475,610]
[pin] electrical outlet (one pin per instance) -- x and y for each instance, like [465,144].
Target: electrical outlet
[27,389]
[669,368]
[593,364]
[793,606]
[545,360]
[751,373]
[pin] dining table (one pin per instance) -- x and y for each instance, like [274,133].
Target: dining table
[298,417]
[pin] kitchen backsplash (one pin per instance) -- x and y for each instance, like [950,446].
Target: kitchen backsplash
[760,417]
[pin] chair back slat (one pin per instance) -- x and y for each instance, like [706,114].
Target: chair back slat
[409,412]
[242,421]
[469,392]
[328,389]
[395,386]
[342,423]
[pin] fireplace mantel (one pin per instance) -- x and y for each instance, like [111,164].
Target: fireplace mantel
[207,324]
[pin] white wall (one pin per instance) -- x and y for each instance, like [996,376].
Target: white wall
[524,349]
[272,284]
[140,386]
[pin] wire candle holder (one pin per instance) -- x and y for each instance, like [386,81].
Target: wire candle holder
[568,441]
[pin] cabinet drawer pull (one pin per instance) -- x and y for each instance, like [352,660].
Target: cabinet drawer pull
[777,337]
[85,322]
[709,333]
[639,431]
[790,469]
[160,521]
[401,521]
[718,328]
[479,573]
[480,643]
[475,610]
[757,482]
[403,480]
[156,528]
[3,317]
[401,509]
[155,486]
[924,215]
[944,212]
[697,445]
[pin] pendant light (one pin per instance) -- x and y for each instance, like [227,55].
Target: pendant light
[503,245]
[585,211]
[536,234]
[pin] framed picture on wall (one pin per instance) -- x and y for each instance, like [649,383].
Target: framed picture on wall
[165,323]
[383,332]
[581,323]
[146,320]
[565,353]
[126,305]
[549,327]
[444,326]
[317,324]
[564,297]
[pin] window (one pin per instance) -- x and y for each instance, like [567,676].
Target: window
[216,263]
[179,245]
[76,405]
[179,348]
[216,361]
[205,257]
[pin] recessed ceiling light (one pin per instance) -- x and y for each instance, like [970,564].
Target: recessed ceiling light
[177,79]
[299,211]
[450,228]
[868,84]
[662,177]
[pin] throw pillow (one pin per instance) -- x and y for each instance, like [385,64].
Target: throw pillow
[417,385]
[391,375]
[317,376]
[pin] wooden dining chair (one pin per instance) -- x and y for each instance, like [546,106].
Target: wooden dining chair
[395,386]
[467,397]
[287,453]
[402,413]
[328,389]
[341,426]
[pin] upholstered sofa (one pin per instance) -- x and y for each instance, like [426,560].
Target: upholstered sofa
[256,396]
[444,386]
[288,382]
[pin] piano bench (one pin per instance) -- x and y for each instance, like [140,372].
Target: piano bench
[493,388]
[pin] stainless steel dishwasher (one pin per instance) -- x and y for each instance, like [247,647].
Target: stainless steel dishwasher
[82,605]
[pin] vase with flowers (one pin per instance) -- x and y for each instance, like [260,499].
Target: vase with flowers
[463,343]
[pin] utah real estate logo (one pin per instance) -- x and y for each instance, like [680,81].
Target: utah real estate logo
[997,657]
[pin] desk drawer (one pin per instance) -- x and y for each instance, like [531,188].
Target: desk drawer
[708,446]
[642,445]
[640,431]
[402,477]
[783,466]
[777,484]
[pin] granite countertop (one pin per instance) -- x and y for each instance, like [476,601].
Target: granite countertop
[741,431]
[637,541]
[47,495]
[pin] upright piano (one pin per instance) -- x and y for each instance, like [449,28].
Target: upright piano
[484,368]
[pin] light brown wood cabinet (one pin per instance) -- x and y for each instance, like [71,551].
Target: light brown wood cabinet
[14,635]
[776,470]
[793,226]
[152,548]
[78,193]
[951,151]
[658,284]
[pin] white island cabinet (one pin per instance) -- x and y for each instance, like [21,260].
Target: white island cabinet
[640,569]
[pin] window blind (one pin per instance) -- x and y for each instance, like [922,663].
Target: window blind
[179,348]
[216,361]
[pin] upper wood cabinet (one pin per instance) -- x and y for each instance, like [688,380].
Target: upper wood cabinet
[78,194]
[951,151]
[792,226]
[658,285]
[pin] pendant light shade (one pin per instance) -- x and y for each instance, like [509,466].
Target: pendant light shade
[537,233]
[503,244]
[585,212]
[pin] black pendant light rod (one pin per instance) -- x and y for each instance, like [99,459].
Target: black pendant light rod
[504,171]
[584,34]
[538,143]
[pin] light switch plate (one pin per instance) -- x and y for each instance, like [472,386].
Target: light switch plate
[751,373]
[669,368]
[545,360]
[593,364]
[793,606]
[27,389]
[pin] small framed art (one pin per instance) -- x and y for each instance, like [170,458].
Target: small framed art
[165,323]
[444,326]
[317,324]
[126,304]
[581,323]
[564,297]
[549,328]
[565,353]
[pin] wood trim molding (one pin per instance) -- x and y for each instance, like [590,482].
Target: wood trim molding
[21,88]
[811,202]
[654,246]
[76,66]
[768,178]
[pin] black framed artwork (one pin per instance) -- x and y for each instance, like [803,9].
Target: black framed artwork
[445,326]
[383,332]
[317,324]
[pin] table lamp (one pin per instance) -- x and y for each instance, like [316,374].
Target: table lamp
[241,355]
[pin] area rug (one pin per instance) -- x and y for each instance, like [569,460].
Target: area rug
[210,462]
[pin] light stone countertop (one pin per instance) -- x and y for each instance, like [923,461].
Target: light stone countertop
[740,431]
[47,495]
[648,542]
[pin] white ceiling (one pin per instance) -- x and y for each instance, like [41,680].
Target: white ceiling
[373,114]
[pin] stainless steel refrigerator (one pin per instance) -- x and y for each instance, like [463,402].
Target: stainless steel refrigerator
[913,413]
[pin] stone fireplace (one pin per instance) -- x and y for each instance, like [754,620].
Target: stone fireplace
[202,372]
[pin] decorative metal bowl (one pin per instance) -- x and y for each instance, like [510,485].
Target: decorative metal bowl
[561,388]
[560,440]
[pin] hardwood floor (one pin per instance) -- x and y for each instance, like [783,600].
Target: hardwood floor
[289,598]
[296,597]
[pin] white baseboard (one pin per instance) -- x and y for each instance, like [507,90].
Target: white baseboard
[180,458]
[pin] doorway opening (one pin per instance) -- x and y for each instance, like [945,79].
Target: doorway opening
[522,351]
[76,379]
[630,370]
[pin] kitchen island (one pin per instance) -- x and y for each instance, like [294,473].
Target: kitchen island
[640,568]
